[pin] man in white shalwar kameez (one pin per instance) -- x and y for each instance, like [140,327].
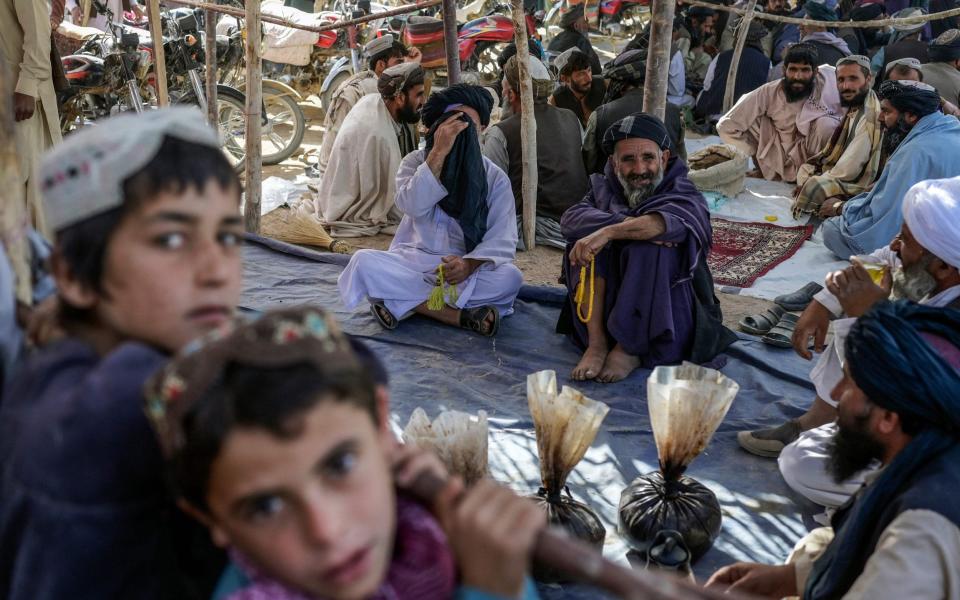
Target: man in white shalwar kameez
[355,197]
[476,247]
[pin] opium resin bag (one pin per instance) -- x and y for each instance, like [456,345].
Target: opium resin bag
[566,424]
[459,439]
[687,404]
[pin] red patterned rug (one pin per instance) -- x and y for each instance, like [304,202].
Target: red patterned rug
[742,252]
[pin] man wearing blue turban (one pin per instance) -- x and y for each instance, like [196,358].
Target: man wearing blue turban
[458,236]
[899,404]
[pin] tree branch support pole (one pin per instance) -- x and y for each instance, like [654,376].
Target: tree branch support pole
[253,169]
[159,57]
[528,128]
[210,53]
[450,42]
[742,29]
[658,58]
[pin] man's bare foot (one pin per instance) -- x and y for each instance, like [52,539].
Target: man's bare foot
[618,365]
[590,363]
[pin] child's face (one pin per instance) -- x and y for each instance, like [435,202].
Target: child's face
[316,511]
[172,268]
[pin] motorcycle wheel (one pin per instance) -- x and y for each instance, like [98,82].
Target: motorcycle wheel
[283,132]
[327,97]
[231,117]
[483,61]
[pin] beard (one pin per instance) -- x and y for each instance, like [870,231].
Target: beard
[893,136]
[914,283]
[581,89]
[794,94]
[637,188]
[857,101]
[408,114]
[852,450]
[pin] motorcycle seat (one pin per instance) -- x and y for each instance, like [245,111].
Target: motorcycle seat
[424,25]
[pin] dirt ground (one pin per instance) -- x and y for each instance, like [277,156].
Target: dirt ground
[541,266]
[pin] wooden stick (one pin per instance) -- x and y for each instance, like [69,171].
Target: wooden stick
[239,12]
[159,57]
[874,24]
[743,29]
[658,58]
[450,42]
[13,210]
[585,564]
[528,128]
[210,52]
[253,168]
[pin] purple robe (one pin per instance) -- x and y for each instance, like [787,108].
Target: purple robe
[658,298]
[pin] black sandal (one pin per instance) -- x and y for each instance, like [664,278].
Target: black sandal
[383,316]
[475,320]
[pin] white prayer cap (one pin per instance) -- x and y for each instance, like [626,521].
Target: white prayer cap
[378,45]
[931,209]
[905,62]
[83,176]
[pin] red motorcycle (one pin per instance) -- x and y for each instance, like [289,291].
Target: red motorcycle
[624,16]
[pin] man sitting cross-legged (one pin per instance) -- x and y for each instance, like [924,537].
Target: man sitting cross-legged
[458,213]
[645,229]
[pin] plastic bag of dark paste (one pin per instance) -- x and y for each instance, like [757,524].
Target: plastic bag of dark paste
[566,424]
[687,404]
[650,505]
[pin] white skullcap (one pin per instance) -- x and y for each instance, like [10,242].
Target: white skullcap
[83,176]
[931,209]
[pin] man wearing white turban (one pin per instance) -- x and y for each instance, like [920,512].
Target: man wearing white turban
[922,264]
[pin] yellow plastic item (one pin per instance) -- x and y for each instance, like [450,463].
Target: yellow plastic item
[771,218]
[581,288]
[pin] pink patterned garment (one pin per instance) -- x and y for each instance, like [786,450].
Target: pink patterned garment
[422,565]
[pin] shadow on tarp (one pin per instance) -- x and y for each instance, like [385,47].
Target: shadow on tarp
[437,367]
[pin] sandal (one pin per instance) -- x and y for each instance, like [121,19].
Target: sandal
[383,316]
[761,324]
[799,299]
[475,320]
[782,333]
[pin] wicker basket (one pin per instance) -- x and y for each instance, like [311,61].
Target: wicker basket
[718,168]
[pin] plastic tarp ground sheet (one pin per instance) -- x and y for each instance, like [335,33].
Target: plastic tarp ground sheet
[437,367]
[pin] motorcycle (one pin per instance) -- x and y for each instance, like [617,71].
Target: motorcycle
[626,17]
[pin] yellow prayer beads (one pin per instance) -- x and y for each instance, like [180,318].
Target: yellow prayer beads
[581,290]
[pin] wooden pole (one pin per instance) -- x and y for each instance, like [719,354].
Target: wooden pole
[253,168]
[528,128]
[658,58]
[210,53]
[159,58]
[450,43]
[742,29]
[13,208]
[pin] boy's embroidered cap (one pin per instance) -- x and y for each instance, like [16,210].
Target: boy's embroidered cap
[83,176]
[278,339]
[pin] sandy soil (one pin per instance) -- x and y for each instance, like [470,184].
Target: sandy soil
[541,266]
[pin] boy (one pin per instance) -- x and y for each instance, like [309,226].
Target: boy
[146,258]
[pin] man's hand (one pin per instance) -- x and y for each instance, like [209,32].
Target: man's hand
[413,55]
[587,248]
[492,532]
[813,323]
[23,106]
[831,208]
[765,581]
[410,462]
[443,139]
[856,291]
[42,324]
[456,269]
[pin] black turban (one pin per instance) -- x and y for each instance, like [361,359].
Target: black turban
[573,15]
[639,125]
[913,97]
[946,47]
[473,96]
[627,70]
[701,12]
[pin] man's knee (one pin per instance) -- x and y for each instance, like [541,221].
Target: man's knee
[834,239]
[509,277]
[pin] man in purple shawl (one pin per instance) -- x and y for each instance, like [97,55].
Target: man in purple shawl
[646,231]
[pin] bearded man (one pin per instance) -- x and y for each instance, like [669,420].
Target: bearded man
[642,235]
[916,136]
[356,193]
[851,162]
[899,406]
[579,91]
[921,265]
[459,223]
[943,70]
[782,124]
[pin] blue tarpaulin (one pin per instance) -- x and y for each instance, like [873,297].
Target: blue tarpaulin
[436,367]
